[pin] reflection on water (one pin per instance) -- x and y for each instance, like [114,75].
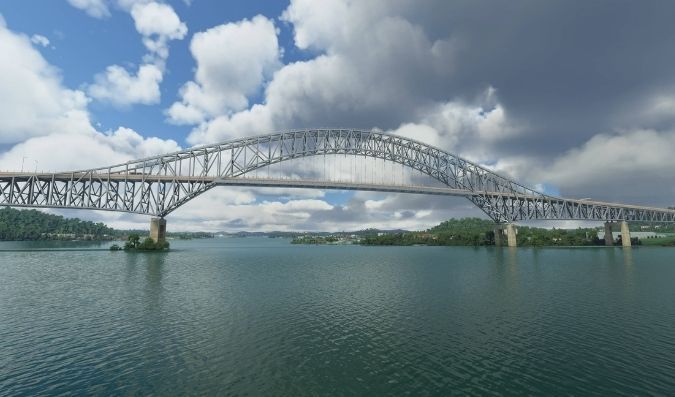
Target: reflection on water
[153,263]
[627,257]
[628,269]
[261,316]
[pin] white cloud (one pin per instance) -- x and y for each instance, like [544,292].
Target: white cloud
[34,101]
[233,60]
[39,40]
[158,24]
[373,68]
[79,151]
[118,87]
[474,128]
[627,165]
[40,114]
[237,210]
[95,8]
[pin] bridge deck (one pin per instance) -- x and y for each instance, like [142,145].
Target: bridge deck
[313,184]
[160,184]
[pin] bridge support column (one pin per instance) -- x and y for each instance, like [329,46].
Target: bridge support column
[158,229]
[499,236]
[625,234]
[511,235]
[609,237]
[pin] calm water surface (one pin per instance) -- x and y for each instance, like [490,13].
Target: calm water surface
[259,316]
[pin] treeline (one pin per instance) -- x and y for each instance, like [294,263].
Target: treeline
[36,225]
[184,235]
[530,236]
[476,231]
[466,231]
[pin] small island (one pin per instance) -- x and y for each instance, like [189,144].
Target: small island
[134,243]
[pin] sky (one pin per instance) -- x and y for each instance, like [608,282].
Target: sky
[570,97]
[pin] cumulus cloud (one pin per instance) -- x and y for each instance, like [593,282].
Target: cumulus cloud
[34,101]
[121,88]
[621,166]
[89,150]
[41,114]
[158,24]
[233,60]
[373,68]
[39,40]
[95,8]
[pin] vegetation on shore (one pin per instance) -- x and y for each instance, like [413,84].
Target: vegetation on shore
[475,231]
[30,224]
[36,225]
[468,232]
[310,239]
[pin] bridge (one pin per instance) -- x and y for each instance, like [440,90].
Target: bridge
[357,160]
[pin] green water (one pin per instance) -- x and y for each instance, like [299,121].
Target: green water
[260,316]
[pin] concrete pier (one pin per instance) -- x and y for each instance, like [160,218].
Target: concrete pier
[625,234]
[158,229]
[499,236]
[511,232]
[609,238]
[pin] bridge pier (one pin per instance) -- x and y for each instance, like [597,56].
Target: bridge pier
[625,235]
[511,233]
[609,238]
[499,235]
[158,229]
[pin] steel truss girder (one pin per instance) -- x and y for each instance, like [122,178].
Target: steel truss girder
[160,184]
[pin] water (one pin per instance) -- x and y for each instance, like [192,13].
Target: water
[260,316]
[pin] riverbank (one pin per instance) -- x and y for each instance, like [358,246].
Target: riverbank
[480,232]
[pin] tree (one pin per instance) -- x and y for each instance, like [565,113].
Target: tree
[133,241]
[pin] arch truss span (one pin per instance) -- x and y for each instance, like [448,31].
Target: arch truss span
[158,185]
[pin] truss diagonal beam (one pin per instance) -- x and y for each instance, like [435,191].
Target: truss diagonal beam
[159,185]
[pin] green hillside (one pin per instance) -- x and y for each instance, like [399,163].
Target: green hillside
[36,225]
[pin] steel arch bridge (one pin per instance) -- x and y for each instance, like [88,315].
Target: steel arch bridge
[159,185]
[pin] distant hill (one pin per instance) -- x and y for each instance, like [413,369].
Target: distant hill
[476,231]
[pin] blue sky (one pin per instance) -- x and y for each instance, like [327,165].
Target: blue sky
[570,99]
[82,46]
